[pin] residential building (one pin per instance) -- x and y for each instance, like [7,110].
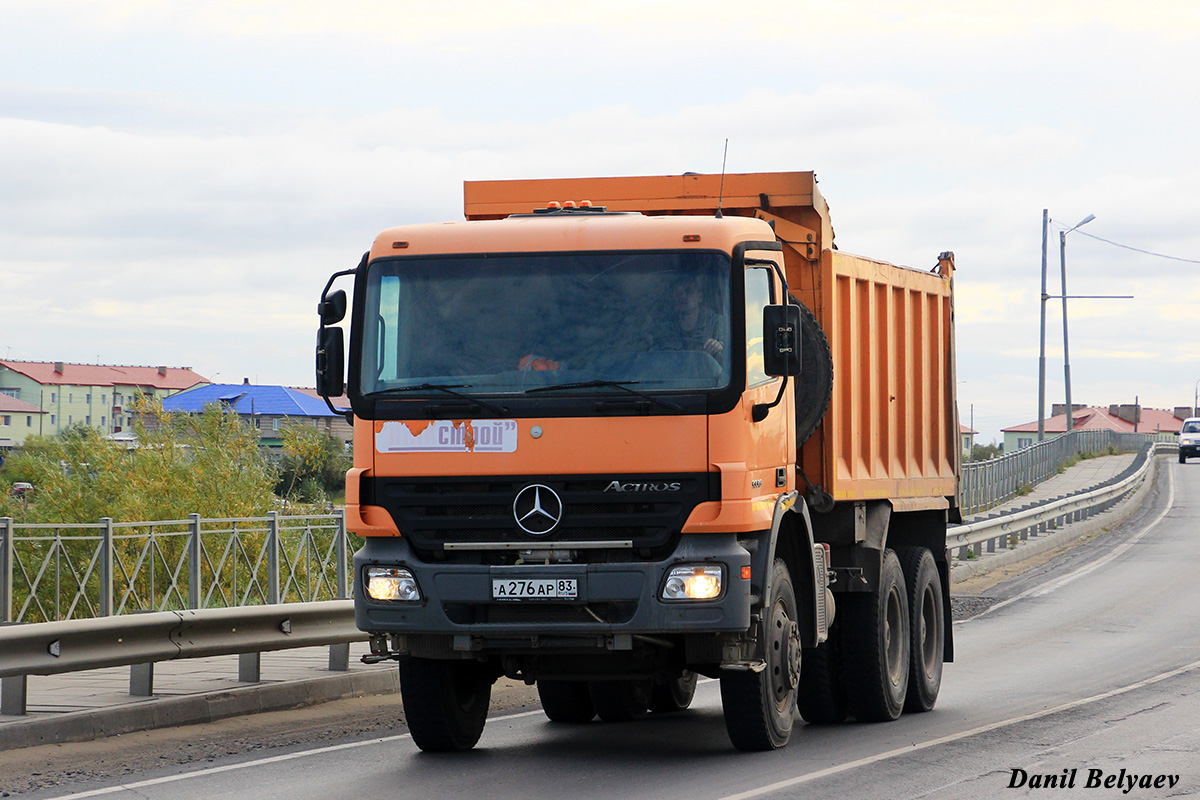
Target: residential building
[18,420]
[95,395]
[268,408]
[967,437]
[1121,418]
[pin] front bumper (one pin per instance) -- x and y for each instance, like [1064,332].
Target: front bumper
[613,598]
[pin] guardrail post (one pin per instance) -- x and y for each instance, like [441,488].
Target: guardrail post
[195,551]
[12,695]
[7,548]
[249,667]
[141,679]
[106,567]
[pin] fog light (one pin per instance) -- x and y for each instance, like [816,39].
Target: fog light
[391,583]
[697,582]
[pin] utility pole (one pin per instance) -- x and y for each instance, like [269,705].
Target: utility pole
[1042,352]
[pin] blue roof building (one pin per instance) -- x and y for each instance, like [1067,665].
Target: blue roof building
[268,408]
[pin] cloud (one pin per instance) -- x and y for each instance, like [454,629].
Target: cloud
[179,189]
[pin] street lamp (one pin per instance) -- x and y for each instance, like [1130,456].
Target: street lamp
[1196,401]
[1062,252]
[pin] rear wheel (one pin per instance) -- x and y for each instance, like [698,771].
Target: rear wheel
[675,694]
[760,707]
[822,691]
[445,702]
[566,701]
[927,626]
[621,700]
[876,642]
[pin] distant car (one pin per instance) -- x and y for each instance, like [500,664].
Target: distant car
[1189,439]
[22,488]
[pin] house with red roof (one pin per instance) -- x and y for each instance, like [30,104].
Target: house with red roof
[18,420]
[96,395]
[1119,418]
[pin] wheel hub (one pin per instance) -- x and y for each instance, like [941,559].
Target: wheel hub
[784,658]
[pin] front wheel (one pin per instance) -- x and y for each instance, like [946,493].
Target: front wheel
[445,702]
[760,707]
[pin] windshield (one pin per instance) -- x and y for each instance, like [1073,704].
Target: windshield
[507,324]
[1191,426]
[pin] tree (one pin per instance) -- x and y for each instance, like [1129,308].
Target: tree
[207,463]
[982,452]
[313,466]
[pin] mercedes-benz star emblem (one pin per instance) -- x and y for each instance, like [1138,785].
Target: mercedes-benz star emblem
[537,509]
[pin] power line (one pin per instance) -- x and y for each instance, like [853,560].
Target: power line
[1134,249]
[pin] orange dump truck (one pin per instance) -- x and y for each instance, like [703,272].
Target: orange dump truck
[612,434]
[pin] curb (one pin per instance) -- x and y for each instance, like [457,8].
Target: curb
[167,712]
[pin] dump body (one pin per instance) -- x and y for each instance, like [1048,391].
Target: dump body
[891,428]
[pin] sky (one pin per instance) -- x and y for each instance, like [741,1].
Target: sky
[179,179]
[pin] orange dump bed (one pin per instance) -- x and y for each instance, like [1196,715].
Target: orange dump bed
[891,430]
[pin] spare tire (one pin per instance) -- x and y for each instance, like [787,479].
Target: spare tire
[814,384]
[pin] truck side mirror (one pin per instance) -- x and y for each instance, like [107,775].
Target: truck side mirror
[781,339]
[331,361]
[332,308]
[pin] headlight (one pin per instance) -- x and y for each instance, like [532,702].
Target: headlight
[391,583]
[695,582]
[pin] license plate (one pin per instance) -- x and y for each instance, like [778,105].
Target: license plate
[534,589]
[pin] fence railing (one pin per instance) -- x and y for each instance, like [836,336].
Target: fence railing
[53,572]
[985,484]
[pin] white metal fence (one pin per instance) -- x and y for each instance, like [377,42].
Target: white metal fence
[53,572]
[989,483]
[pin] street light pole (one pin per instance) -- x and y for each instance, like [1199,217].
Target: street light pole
[1042,351]
[1062,239]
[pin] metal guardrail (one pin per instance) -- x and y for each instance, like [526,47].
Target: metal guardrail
[985,484]
[1005,531]
[50,648]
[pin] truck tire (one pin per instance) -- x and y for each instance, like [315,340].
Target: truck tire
[621,700]
[566,701]
[822,691]
[674,695]
[927,625]
[760,707]
[875,646]
[814,384]
[445,702]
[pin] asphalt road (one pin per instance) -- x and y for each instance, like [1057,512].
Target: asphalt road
[1083,670]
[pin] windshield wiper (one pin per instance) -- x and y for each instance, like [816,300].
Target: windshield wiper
[623,385]
[448,388]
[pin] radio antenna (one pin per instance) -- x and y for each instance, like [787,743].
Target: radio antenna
[721,193]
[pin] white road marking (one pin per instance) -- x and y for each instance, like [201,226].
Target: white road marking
[1047,588]
[129,787]
[954,737]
